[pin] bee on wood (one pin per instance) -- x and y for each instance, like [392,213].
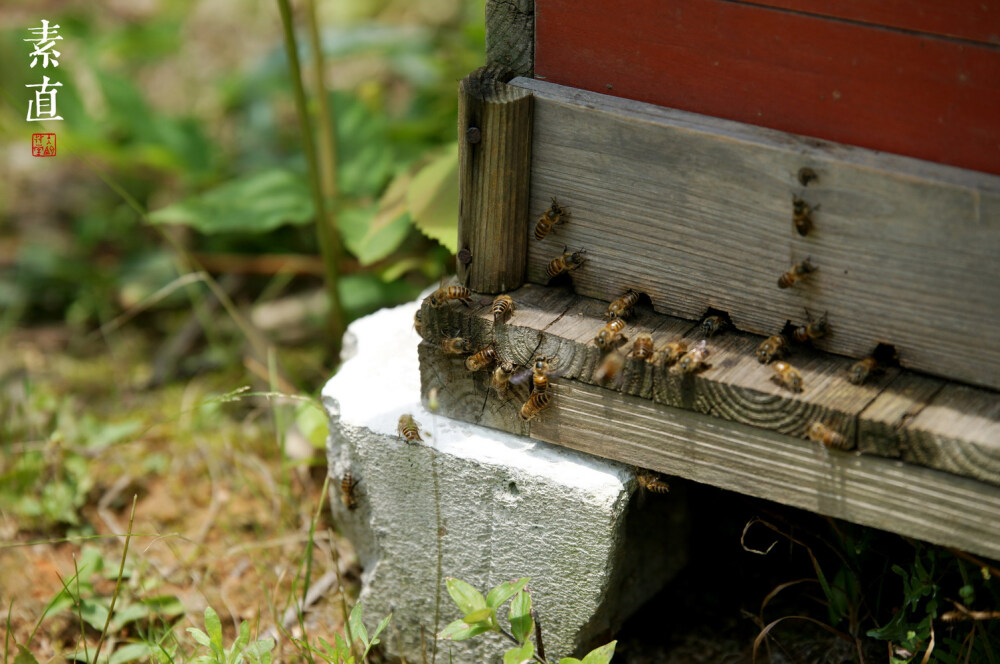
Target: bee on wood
[347,495]
[671,352]
[787,376]
[408,428]
[565,263]
[501,378]
[610,368]
[536,403]
[611,335]
[650,481]
[481,360]
[622,307]
[554,216]
[712,324]
[820,433]
[503,306]
[861,370]
[418,322]
[801,216]
[694,360]
[813,329]
[771,348]
[456,346]
[445,294]
[795,273]
[642,347]
[540,374]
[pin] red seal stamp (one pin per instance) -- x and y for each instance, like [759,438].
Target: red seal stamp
[43,145]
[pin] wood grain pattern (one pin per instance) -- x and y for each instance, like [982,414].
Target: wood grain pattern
[510,35]
[700,211]
[887,89]
[890,495]
[494,154]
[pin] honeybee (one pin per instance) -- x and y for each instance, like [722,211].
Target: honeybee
[610,368]
[712,324]
[772,347]
[565,263]
[651,481]
[670,353]
[503,306]
[408,428]
[456,346]
[861,370]
[820,433]
[694,360]
[482,359]
[418,322]
[796,272]
[551,217]
[622,307]
[445,294]
[814,329]
[642,347]
[611,335]
[536,403]
[347,484]
[787,376]
[801,216]
[501,377]
[540,374]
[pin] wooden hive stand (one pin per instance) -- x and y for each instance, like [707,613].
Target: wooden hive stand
[700,215]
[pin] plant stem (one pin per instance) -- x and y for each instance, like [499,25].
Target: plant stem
[538,658]
[118,581]
[326,231]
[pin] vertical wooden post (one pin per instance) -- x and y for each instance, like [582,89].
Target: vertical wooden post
[494,157]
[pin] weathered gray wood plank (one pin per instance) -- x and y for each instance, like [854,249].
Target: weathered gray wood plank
[510,35]
[891,495]
[696,212]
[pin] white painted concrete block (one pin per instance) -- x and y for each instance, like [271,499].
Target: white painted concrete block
[486,507]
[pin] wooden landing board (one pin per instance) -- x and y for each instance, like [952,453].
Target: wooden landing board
[882,75]
[696,212]
[922,420]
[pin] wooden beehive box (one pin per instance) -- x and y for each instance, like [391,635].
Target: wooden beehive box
[679,139]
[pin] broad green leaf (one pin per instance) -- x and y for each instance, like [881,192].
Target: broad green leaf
[569,660]
[505,591]
[459,630]
[466,597]
[199,636]
[432,198]
[601,655]
[242,639]
[165,605]
[254,204]
[126,614]
[343,649]
[378,630]
[24,656]
[94,612]
[260,650]
[214,628]
[479,615]
[519,655]
[130,653]
[358,630]
[392,204]
[521,622]
[365,242]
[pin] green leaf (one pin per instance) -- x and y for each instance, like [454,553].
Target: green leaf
[126,614]
[521,622]
[94,612]
[505,591]
[130,653]
[254,204]
[367,243]
[214,628]
[465,596]
[569,660]
[242,639]
[601,655]
[459,630]
[479,615]
[519,655]
[24,656]
[432,198]
[358,630]
[199,636]
[378,630]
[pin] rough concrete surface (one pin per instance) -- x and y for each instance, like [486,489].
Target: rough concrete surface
[486,507]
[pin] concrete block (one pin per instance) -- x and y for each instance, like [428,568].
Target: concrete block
[486,507]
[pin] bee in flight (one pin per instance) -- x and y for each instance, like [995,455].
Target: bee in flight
[694,360]
[712,324]
[771,348]
[671,352]
[821,433]
[501,378]
[445,294]
[610,336]
[813,329]
[541,370]
[622,307]
[503,306]
[536,403]
[642,347]
[481,360]
[408,428]
[347,494]
[801,216]
[795,273]
[565,263]
[787,376]
[555,215]
[651,481]
[861,370]
[456,346]
[610,368]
